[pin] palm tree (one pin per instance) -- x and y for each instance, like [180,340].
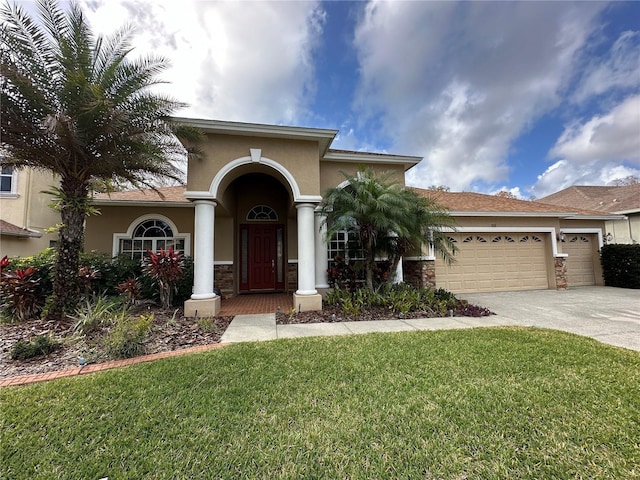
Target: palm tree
[387,217]
[75,105]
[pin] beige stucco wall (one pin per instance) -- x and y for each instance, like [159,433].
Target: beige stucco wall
[29,209]
[331,176]
[625,231]
[100,229]
[300,158]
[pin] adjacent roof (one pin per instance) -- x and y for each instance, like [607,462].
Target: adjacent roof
[619,200]
[168,196]
[478,204]
[10,229]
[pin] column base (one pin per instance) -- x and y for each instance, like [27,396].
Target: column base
[207,307]
[307,303]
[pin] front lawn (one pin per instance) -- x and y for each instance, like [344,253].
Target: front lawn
[482,403]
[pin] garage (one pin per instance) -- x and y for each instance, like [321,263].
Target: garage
[581,249]
[495,262]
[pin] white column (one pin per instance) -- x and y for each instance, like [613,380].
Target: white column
[306,250]
[322,251]
[399,274]
[203,250]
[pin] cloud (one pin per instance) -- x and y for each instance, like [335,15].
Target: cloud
[563,174]
[595,152]
[242,61]
[459,82]
[620,69]
[611,136]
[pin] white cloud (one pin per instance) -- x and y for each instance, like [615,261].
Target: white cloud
[243,61]
[620,69]
[459,82]
[611,136]
[563,174]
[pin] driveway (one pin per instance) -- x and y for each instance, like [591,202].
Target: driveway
[610,315]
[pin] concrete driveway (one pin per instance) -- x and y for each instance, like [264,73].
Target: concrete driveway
[610,315]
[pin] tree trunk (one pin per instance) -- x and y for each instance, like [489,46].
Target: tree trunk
[66,284]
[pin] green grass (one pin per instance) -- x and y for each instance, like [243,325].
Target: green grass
[477,404]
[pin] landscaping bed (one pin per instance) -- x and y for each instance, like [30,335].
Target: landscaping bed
[169,330]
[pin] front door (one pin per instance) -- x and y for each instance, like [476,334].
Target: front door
[261,257]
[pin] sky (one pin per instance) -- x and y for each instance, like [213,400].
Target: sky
[527,97]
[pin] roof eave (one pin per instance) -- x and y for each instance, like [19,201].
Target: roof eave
[30,234]
[563,215]
[406,161]
[143,203]
[323,136]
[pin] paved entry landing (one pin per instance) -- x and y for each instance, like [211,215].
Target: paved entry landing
[256,303]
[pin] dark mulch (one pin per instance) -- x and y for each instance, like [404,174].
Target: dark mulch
[334,314]
[169,331]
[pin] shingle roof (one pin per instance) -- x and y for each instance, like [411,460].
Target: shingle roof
[456,202]
[7,228]
[478,202]
[164,194]
[624,199]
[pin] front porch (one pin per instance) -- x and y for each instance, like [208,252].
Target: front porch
[255,303]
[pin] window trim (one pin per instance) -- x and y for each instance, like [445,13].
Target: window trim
[128,235]
[13,193]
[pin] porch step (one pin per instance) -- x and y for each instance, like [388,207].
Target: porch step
[251,328]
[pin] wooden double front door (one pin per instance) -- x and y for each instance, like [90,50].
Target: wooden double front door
[262,258]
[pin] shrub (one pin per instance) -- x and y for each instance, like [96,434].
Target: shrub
[342,275]
[126,338]
[39,345]
[21,294]
[621,265]
[43,262]
[96,311]
[130,288]
[166,268]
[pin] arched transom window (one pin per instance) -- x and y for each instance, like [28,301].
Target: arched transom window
[152,234]
[262,213]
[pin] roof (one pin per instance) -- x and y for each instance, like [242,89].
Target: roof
[336,155]
[459,203]
[621,200]
[321,135]
[7,228]
[164,195]
[479,204]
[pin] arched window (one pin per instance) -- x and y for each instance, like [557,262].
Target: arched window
[262,213]
[152,234]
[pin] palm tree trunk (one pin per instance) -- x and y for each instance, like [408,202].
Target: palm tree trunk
[66,285]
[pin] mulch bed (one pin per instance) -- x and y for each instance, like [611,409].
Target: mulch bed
[334,314]
[169,331]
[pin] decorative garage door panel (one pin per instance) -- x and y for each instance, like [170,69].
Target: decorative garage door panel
[580,248]
[495,262]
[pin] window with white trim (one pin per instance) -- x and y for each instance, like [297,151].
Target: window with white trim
[152,234]
[7,179]
[347,245]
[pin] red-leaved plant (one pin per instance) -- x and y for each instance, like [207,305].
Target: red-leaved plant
[87,276]
[4,263]
[21,294]
[166,268]
[130,289]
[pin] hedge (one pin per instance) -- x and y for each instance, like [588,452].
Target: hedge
[621,265]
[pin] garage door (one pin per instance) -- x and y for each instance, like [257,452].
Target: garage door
[495,262]
[581,249]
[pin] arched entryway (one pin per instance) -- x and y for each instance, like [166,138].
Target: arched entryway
[262,209]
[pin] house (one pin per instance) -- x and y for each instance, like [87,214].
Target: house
[248,218]
[621,200]
[25,215]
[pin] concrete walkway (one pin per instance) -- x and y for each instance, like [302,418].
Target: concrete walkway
[610,315]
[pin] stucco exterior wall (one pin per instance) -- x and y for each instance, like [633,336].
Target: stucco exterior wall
[331,176]
[29,209]
[625,231]
[100,229]
[299,157]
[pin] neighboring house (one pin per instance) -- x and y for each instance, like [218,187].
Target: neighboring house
[622,200]
[248,218]
[24,212]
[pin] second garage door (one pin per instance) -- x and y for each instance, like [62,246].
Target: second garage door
[581,249]
[495,262]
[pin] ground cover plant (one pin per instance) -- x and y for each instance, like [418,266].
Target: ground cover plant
[487,403]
